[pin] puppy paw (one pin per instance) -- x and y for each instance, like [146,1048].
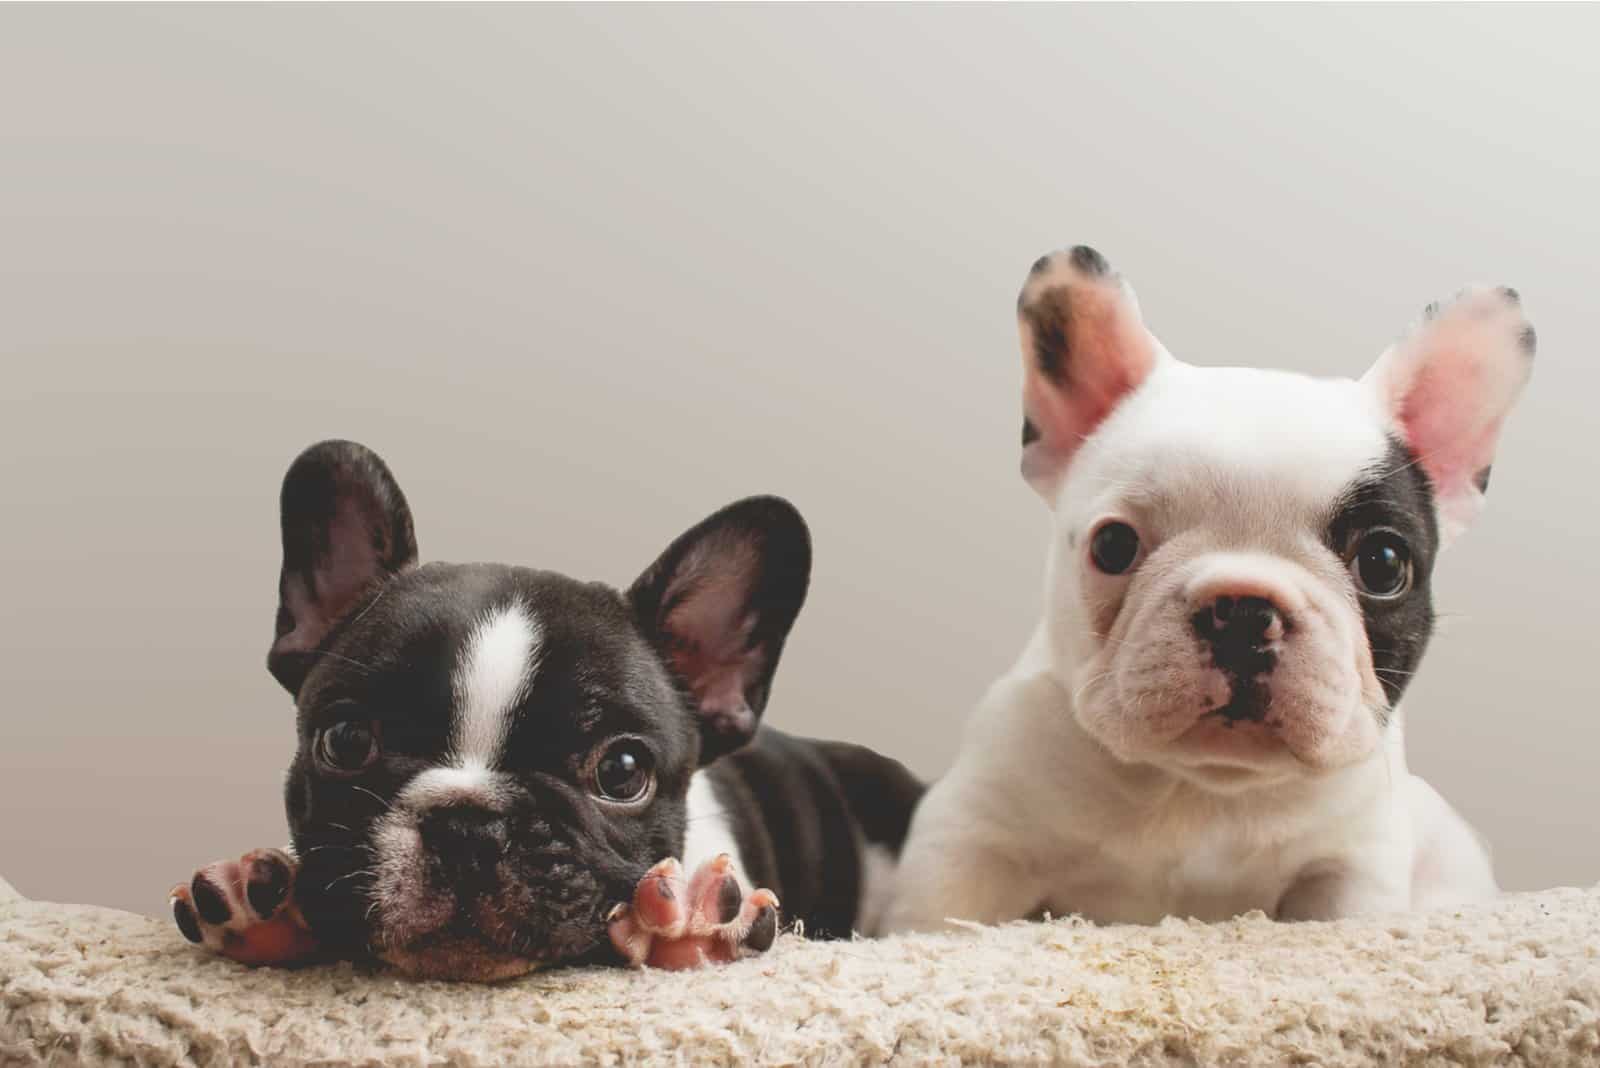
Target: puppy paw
[245,909]
[679,923]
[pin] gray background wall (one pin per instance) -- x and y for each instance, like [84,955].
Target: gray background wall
[584,274]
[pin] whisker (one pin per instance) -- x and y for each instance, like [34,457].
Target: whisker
[371,605]
[362,846]
[387,805]
[350,875]
[368,668]
[1078,695]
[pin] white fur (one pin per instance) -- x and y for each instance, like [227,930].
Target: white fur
[1077,789]
[496,667]
[710,830]
[878,865]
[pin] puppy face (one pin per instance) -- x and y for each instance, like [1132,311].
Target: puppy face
[490,757]
[1241,561]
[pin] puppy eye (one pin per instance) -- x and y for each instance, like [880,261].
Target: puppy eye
[347,746]
[625,771]
[1381,564]
[1114,547]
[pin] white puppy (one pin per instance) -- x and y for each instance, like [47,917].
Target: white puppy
[1207,719]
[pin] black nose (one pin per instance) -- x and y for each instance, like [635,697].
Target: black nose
[1243,633]
[466,843]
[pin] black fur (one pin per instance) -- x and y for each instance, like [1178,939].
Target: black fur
[1049,319]
[813,797]
[1528,339]
[1395,495]
[1089,262]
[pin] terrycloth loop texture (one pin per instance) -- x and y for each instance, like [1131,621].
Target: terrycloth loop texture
[1516,983]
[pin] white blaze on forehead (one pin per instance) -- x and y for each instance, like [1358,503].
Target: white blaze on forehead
[492,677]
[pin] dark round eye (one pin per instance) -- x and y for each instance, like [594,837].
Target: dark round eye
[1114,547]
[1382,564]
[349,745]
[624,772]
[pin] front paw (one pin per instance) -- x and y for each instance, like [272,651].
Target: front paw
[675,923]
[245,909]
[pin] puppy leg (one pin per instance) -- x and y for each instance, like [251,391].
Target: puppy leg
[1452,865]
[678,923]
[958,878]
[245,909]
[958,864]
[1339,892]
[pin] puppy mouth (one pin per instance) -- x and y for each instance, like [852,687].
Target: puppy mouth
[479,942]
[1240,727]
[459,956]
[1217,740]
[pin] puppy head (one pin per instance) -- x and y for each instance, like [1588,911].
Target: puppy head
[1240,563]
[490,757]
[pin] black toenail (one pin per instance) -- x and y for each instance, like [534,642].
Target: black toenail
[664,888]
[208,901]
[764,931]
[729,899]
[186,921]
[267,885]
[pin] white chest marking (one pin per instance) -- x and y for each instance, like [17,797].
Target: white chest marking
[710,830]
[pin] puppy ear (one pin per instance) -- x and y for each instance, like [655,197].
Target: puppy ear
[1448,387]
[718,605]
[346,529]
[1084,349]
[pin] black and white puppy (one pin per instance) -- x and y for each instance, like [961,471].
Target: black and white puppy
[500,768]
[1207,720]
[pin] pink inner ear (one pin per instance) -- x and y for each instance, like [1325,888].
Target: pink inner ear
[717,681]
[1447,423]
[1117,354]
[1450,387]
[351,566]
[1105,353]
[710,632]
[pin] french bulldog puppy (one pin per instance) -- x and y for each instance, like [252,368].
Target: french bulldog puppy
[500,768]
[1207,719]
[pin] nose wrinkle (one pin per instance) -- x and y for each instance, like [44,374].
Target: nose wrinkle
[1248,574]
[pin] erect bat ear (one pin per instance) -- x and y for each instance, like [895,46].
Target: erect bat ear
[346,530]
[1448,386]
[1085,348]
[718,605]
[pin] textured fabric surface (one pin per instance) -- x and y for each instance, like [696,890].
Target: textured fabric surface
[1516,983]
